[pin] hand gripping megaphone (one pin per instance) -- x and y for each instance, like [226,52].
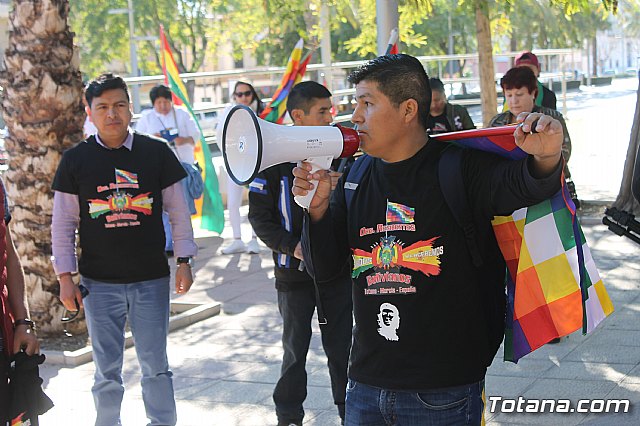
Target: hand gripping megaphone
[250,145]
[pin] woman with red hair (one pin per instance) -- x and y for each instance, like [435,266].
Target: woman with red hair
[520,88]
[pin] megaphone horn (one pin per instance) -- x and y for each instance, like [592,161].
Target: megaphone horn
[251,145]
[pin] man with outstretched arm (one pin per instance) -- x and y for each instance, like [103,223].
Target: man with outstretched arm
[427,321]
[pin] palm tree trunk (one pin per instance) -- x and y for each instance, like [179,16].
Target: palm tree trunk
[43,110]
[485,54]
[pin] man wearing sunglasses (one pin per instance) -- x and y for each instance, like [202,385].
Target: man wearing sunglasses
[16,329]
[113,188]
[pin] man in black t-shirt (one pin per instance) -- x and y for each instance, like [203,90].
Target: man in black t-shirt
[422,339]
[113,188]
[443,116]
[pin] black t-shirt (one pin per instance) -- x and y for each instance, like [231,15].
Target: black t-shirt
[424,315]
[438,124]
[120,196]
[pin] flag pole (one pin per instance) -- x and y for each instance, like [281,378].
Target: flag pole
[393,39]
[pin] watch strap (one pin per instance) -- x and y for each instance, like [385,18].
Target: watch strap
[184,261]
[24,321]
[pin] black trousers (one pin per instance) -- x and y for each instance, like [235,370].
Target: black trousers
[297,308]
[4,389]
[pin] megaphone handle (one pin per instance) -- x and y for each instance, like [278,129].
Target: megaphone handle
[317,163]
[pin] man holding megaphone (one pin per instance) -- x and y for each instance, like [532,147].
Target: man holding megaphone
[424,313]
[277,220]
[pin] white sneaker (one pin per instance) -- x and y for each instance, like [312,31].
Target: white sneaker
[237,246]
[253,247]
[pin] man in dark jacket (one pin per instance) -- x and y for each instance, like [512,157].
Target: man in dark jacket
[422,335]
[277,220]
[443,116]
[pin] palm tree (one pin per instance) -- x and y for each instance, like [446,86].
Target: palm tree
[42,107]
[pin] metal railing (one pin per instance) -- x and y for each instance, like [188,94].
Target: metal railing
[343,96]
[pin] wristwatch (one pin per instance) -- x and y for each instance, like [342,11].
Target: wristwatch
[24,321]
[185,260]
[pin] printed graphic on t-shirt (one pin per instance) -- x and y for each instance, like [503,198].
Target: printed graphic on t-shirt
[457,122]
[389,322]
[120,207]
[389,257]
[438,124]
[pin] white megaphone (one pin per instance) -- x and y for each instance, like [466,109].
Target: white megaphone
[250,145]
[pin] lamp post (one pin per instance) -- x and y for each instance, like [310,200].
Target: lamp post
[387,19]
[133,51]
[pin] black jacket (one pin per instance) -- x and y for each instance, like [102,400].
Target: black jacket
[277,220]
[548,97]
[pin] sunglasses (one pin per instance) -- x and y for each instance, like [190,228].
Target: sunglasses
[241,94]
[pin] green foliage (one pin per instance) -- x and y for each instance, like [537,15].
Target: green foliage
[629,17]
[199,29]
[411,15]
[566,24]
[103,38]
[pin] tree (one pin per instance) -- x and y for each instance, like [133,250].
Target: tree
[190,26]
[488,94]
[43,110]
[630,18]
[625,200]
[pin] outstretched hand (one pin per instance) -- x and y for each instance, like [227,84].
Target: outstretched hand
[540,136]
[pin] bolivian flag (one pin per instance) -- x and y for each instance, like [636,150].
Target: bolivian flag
[210,208]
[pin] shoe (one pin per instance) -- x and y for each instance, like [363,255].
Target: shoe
[554,341]
[253,247]
[237,246]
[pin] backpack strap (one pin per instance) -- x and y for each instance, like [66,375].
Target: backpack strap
[354,177]
[455,195]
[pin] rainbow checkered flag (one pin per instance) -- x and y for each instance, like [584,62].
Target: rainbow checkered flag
[296,68]
[553,285]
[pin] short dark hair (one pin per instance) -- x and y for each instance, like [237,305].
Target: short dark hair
[254,95]
[518,77]
[159,91]
[399,77]
[104,82]
[303,94]
[436,84]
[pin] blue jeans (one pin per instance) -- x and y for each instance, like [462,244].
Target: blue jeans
[146,305]
[370,406]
